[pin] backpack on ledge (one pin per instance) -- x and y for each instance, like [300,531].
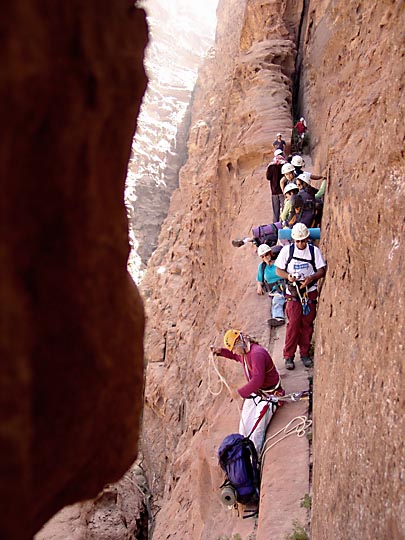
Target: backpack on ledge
[238,459]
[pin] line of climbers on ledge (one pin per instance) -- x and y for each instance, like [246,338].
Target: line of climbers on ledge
[290,268]
[294,200]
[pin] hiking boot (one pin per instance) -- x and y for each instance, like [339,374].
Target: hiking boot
[237,243]
[276,322]
[307,361]
[289,363]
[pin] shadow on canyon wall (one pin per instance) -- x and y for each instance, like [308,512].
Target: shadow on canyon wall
[72,320]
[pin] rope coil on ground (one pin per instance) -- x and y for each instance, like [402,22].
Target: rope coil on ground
[299,429]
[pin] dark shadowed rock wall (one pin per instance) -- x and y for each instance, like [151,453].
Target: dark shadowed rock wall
[72,79]
[353,91]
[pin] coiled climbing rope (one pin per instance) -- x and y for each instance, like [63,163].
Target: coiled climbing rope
[222,381]
[289,429]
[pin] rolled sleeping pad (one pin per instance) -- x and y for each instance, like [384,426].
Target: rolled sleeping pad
[228,496]
[285,234]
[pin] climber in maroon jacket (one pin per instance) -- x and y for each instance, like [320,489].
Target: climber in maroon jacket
[263,380]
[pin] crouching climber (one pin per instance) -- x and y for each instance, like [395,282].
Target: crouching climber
[302,265]
[302,211]
[268,281]
[263,380]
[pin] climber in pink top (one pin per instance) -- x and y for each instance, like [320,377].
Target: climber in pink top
[263,379]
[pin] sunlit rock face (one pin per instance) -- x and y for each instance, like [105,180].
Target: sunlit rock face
[353,90]
[181,33]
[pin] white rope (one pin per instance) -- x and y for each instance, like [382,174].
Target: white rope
[288,430]
[222,381]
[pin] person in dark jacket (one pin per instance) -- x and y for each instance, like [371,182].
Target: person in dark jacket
[273,175]
[302,210]
[303,182]
[279,143]
[263,379]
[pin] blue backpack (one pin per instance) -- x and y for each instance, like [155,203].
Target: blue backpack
[238,459]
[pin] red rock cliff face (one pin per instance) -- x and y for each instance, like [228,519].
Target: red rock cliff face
[197,284]
[353,81]
[72,321]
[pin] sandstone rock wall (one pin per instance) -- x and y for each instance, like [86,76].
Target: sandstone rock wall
[352,90]
[197,284]
[72,321]
[180,35]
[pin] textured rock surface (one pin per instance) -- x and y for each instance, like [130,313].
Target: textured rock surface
[353,88]
[119,512]
[72,320]
[197,283]
[181,33]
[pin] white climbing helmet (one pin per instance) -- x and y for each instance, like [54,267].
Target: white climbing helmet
[297,161]
[263,249]
[287,167]
[299,231]
[290,187]
[279,135]
[305,177]
[278,152]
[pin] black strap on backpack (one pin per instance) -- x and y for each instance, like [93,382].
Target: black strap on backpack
[263,281]
[277,287]
[312,260]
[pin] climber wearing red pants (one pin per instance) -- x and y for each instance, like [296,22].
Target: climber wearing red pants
[301,264]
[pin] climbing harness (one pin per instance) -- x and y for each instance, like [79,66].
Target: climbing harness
[294,396]
[275,399]
[303,299]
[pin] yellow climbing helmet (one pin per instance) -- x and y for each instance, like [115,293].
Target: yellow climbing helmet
[230,337]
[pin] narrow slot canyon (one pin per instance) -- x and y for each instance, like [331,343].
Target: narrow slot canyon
[111,421]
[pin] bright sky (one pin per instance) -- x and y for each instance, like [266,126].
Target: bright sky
[202,8]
